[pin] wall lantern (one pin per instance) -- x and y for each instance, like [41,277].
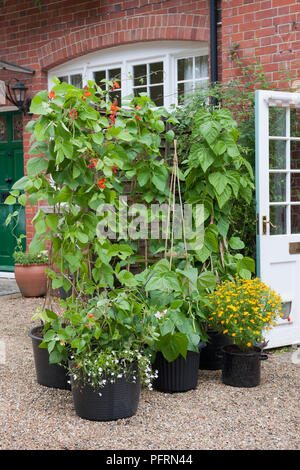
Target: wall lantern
[16,94]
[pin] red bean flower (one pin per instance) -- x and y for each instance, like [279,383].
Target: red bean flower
[100,183]
[93,163]
[73,114]
[51,95]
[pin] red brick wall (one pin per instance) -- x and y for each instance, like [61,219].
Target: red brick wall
[265,30]
[65,29]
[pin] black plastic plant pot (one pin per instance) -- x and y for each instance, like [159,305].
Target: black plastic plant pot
[113,401]
[241,369]
[49,375]
[210,358]
[180,375]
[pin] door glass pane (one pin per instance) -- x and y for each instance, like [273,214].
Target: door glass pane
[185,69]
[295,122]
[295,154]
[140,75]
[277,121]
[76,80]
[295,219]
[3,129]
[157,95]
[286,308]
[157,72]
[277,154]
[201,66]
[277,186]
[17,127]
[295,187]
[278,219]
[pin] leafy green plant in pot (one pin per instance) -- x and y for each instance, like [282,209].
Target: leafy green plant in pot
[109,361]
[244,309]
[177,297]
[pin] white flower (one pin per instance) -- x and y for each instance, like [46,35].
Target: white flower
[160,314]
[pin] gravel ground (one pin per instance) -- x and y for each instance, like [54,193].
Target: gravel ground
[212,417]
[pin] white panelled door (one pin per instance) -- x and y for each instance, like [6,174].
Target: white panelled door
[278,206]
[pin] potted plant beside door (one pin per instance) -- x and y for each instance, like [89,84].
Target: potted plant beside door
[243,309]
[30,271]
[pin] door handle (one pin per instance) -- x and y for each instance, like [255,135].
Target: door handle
[8,180]
[264,224]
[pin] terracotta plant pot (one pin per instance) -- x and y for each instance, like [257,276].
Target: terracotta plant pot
[31,279]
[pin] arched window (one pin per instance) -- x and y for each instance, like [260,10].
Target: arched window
[167,71]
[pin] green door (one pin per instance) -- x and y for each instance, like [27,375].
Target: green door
[11,169]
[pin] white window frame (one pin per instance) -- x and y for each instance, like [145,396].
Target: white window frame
[125,57]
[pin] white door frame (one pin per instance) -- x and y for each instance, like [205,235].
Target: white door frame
[276,265]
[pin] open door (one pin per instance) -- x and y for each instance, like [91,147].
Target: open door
[278,206]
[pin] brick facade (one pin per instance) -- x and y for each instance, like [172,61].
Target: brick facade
[267,30]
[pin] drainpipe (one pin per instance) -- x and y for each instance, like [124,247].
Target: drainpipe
[213,42]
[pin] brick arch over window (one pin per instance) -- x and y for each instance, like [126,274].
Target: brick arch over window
[123,31]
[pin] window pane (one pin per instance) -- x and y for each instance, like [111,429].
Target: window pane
[184,90]
[201,66]
[17,127]
[277,154]
[277,121]
[137,91]
[114,74]
[277,187]
[295,155]
[3,129]
[157,95]
[295,122]
[140,74]
[76,80]
[157,72]
[278,218]
[295,219]
[185,69]
[295,187]
[201,84]
[65,79]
